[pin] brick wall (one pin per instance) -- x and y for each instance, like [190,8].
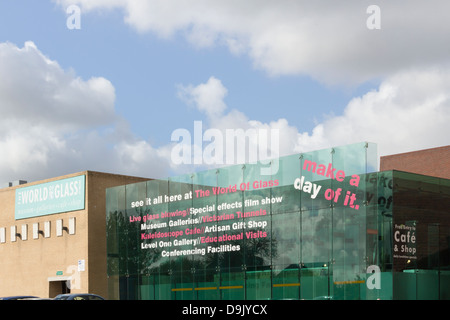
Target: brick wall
[432,162]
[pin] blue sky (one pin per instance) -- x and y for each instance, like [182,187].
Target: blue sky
[145,70]
[321,70]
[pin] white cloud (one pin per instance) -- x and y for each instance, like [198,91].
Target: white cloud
[54,122]
[35,87]
[328,40]
[409,111]
[207,97]
[224,129]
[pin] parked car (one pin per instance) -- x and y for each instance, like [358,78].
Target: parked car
[17,297]
[78,296]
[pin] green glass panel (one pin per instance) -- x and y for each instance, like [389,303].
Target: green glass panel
[232,284]
[316,225]
[258,284]
[286,282]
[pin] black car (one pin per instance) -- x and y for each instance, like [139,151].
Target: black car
[17,297]
[78,296]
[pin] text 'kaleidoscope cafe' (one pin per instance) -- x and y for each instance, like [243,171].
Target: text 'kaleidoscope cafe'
[322,225]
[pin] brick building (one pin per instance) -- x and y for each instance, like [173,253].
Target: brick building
[52,235]
[431,162]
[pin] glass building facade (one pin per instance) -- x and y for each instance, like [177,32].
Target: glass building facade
[317,225]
